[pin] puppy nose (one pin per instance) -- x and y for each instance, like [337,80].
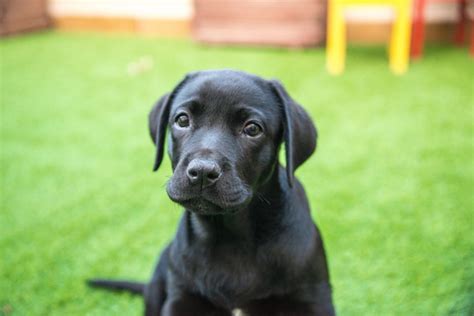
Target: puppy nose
[206,172]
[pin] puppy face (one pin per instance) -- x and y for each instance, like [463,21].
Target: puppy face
[224,132]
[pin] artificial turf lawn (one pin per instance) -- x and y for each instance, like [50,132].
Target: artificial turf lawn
[390,185]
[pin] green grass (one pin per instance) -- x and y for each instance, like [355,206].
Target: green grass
[391,185]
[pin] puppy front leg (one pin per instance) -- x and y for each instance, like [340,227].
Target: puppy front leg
[155,290]
[154,297]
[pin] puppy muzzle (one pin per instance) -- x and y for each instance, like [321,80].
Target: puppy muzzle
[204,186]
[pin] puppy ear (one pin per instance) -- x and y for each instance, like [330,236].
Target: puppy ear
[299,132]
[154,116]
[158,121]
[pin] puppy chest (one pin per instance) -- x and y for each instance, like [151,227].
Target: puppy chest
[231,282]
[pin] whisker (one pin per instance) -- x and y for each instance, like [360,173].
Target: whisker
[262,198]
[168,178]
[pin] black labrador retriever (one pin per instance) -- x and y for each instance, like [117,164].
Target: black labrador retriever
[246,239]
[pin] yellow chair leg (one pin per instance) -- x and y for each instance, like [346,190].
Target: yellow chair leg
[336,40]
[400,39]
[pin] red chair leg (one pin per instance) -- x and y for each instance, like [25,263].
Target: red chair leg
[460,26]
[472,39]
[418,29]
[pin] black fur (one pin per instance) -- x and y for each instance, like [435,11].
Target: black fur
[246,239]
[133,287]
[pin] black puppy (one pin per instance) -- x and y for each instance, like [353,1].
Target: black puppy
[246,239]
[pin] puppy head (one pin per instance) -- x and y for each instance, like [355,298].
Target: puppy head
[225,130]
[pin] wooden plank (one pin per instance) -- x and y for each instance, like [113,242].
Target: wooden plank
[257,10]
[21,9]
[360,32]
[295,13]
[261,22]
[23,25]
[100,24]
[165,28]
[302,34]
[156,27]
[23,15]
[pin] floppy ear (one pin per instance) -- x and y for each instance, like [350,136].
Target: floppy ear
[299,132]
[158,121]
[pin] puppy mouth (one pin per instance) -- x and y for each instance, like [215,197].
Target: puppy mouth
[203,206]
[210,203]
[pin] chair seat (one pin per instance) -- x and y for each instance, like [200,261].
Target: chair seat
[399,42]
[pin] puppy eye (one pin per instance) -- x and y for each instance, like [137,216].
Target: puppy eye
[252,129]
[182,120]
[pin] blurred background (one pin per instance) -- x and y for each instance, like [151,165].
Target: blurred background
[389,84]
[278,22]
